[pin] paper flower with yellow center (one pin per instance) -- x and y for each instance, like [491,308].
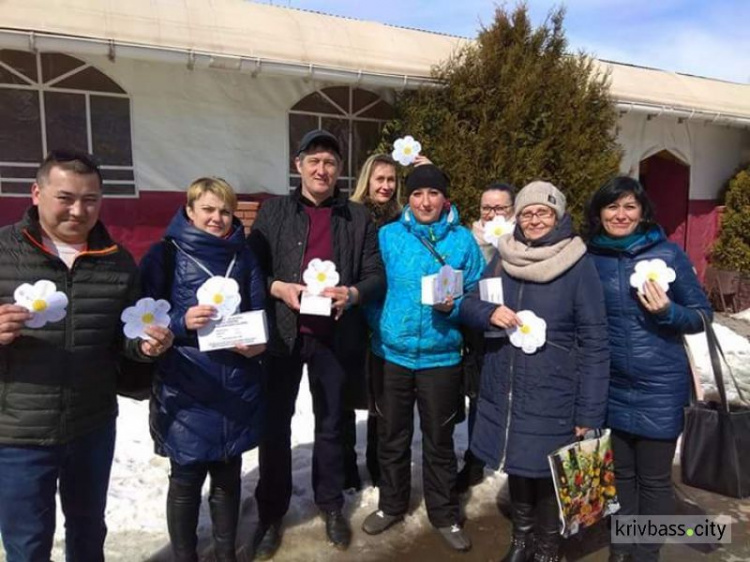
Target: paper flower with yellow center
[531,334]
[405,150]
[319,275]
[496,229]
[146,312]
[223,293]
[652,270]
[43,300]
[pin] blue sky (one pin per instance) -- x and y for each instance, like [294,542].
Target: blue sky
[701,37]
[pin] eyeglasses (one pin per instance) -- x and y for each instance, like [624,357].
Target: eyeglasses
[543,215]
[497,209]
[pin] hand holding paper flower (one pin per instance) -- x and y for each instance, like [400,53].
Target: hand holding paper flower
[319,275]
[146,312]
[43,300]
[531,334]
[496,229]
[223,293]
[405,150]
[446,284]
[652,270]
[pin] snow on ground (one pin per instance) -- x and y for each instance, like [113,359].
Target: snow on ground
[135,511]
[744,315]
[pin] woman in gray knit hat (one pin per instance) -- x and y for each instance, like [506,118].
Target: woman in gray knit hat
[533,401]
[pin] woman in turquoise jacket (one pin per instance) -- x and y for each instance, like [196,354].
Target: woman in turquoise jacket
[421,345]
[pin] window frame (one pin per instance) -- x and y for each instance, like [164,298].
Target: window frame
[41,87]
[348,174]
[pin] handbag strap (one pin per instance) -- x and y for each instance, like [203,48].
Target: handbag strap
[432,249]
[716,354]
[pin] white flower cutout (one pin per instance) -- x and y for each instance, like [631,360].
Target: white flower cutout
[531,334]
[405,150]
[146,312]
[496,229]
[652,270]
[446,283]
[43,300]
[223,293]
[319,275]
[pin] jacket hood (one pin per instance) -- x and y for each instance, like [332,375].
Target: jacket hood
[437,230]
[198,243]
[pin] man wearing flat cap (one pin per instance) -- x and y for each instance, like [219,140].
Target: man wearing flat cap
[314,221]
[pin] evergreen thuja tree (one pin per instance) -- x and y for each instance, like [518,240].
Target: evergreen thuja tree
[732,250]
[515,106]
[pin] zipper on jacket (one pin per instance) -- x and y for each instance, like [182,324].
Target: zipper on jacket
[511,371]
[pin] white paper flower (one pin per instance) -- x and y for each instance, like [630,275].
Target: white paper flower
[496,229]
[319,275]
[223,293]
[146,312]
[531,334]
[43,300]
[446,283]
[652,270]
[405,150]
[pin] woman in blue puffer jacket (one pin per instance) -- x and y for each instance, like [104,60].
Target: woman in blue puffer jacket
[532,402]
[421,345]
[650,379]
[206,407]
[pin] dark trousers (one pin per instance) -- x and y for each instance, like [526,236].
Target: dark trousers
[184,501]
[326,378]
[29,478]
[435,391]
[349,437]
[643,477]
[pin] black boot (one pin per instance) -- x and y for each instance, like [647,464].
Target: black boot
[522,542]
[547,522]
[225,507]
[183,507]
[471,474]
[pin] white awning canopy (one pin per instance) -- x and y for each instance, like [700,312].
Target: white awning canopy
[259,38]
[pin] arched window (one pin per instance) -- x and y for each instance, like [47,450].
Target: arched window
[51,100]
[354,115]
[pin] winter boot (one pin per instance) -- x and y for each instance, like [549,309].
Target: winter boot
[224,505]
[547,526]
[522,542]
[183,507]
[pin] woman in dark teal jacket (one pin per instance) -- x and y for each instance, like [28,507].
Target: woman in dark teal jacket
[650,379]
[206,406]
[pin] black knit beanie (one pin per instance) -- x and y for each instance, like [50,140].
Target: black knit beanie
[427,175]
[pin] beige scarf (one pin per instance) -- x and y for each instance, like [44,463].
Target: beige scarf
[540,264]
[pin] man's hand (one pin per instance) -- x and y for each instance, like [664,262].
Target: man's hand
[12,318]
[287,292]
[445,306]
[504,317]
[340,296]
[250,350]
[160,341]
[653,298]
[198,316]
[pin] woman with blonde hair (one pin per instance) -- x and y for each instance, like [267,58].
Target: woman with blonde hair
[379,189]
[206,406]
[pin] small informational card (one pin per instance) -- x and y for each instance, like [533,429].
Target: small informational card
[246,328]
[319,276]
[448,282]
[491,290]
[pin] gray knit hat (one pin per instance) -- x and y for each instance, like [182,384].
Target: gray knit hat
[541,193]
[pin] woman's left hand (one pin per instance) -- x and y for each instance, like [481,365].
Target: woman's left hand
[581,431]
[159,340]
[445,306]
[250,350]
[653,298]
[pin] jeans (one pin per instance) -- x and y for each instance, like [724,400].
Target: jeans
[643,477]
[436,392]
[29,478]
[326,377]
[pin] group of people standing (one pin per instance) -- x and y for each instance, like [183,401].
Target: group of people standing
[613,355]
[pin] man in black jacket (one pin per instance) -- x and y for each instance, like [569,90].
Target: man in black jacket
[312,222]
[57,380]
